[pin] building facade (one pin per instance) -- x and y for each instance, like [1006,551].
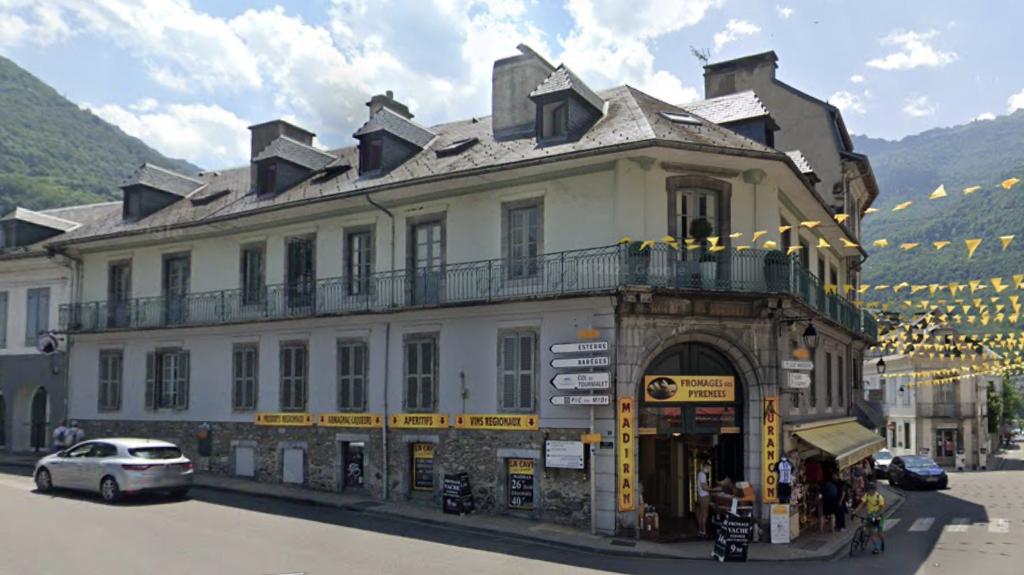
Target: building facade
[430,302]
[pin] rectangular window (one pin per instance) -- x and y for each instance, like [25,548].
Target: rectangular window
[518,370]
[358,261]
[371,153]
[421,373]
[167,379]
[252,270]
[177,272]
[812,391]
[906,434]
[352,360]
[787,236]
[266,179]
[300,271]
[828,379]
[842,381]
[523,240]
[690,205]
[119,293]
[245,376]
[555,119]
[3,319]
[805,254]
[111,374]
[294,376]
[37,314]
[833,277]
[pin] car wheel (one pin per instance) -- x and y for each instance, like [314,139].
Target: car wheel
[109,490]
[44,481]
[178,494]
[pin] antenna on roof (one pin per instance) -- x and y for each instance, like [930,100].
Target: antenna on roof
[703,55]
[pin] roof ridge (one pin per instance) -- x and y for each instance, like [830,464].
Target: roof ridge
[304,145]
[169,171]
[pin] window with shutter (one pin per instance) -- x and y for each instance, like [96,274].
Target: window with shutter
[294,368]
[517,359]
[253,277]
[111,374]
[37,314]
[359,261]
[351,375]
[184,371]
[245,367]
[842,381]
[421,373]
[523,238]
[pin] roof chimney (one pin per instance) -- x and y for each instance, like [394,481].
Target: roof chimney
[263,134]
[747,73]
[512,111]
[387,100]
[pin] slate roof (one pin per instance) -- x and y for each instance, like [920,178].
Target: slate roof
[295,152]
[397,125]
[43,219]
[163,179]
[633,119]
[801,162]
[729,108]
[562,80]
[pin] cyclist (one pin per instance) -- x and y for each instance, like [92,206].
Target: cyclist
[875,505]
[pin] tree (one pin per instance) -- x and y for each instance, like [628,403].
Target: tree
[1012,403]
[995,408]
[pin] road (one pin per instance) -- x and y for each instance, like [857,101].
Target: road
[975,527]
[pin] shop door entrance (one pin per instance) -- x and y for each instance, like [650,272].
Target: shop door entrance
[669,464]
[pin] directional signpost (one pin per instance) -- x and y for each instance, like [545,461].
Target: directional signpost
[582,381]
[595,361]
[798,365]
[580,347]
[799,380]
[580,400]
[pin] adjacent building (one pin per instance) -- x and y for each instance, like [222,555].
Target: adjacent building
[475,296]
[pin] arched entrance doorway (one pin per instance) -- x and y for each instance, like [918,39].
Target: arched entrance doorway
[40,412]
[692,410]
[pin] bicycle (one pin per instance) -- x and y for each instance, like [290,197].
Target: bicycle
[862,536]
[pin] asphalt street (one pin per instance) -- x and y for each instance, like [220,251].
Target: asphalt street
[976,527]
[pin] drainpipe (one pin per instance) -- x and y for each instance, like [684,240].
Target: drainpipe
[75,266]
[387,356]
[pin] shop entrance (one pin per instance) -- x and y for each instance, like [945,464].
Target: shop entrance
[691,413]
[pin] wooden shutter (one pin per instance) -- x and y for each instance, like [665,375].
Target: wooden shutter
[181,397]
[151,380]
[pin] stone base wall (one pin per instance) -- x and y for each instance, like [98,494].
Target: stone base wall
[561,495]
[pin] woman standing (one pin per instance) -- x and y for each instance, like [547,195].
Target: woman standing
[841,501]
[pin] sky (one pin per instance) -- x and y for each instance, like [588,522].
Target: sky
[188,77]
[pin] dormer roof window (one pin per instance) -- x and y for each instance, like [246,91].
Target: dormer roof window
[152,188]
[286,162]
[371,153]
[389,138]
[566,107]
[21,228]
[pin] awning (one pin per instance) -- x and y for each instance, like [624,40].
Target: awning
[848,441]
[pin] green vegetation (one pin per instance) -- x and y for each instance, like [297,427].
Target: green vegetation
[53,153]
[979,153]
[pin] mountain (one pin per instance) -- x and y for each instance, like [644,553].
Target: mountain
[53,153]
[981,153]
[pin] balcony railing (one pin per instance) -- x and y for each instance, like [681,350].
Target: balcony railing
[951,409]
[586,271]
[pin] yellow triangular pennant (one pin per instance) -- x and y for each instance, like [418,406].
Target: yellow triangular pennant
[1006,241]
[902,206]
[940,192]
[940,244]
[972,244]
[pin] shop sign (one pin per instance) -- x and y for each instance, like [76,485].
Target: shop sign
[582,381]
[418,421]
[520,484]
[580,400]
[368,420]
[286,419]
[714,417]
[780,523]
[497,422]
[423,466]
[798,365]
[770,449]
[799,380]
[594,361]
[590,438]
[456,494]
[580,347]
[625,476]
[732,538]
[689,388]
[563,454]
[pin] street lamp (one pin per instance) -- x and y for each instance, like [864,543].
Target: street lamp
[810,337]
[880,366]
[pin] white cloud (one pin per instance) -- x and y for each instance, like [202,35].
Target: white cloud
[985,116]
[784,11]
[919,107]
[914,50]
[202,134]
[145,105]
[733,30]
[847,101]
[857,79]
[45,24]
[640,18]
[1015,102]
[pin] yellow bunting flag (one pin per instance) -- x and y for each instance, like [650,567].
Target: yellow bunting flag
[771,244]
[940,244]
[971,190]
[757,235]
[742,248]
[792,250]
[784,229]
[940,192]
[883,243]
[1009,183]
[870,211]
[840,218]
[1018,281]
[823,243]
[736,235]
[713,240]
[848,244]
[863,288]
[810,224]
[624,240]
[714,249]
[975,286]
[972,244]
[646,245]
[916,288]
[908,246]
[902,285]
[1006,241]
[902,206]
[881,287]
[998,284]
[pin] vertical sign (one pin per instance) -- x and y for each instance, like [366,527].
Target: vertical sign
[520,484]
[770,449]
[423,466]
[626,440]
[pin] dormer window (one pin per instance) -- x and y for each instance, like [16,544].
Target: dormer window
[266,179]
[566,107]
[371,153]
[555,120]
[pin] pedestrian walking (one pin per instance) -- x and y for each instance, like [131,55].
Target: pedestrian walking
[60,436]
[76,433]
[703,499]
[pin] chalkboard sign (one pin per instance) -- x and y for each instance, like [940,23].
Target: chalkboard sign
[732,538]
[456,494]
[423,466]
[520,484]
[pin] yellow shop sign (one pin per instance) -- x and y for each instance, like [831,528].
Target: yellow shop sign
[526,422]
[371,420]
[689,388]
[418,421]
[284,419]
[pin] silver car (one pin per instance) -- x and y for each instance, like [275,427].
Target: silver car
[116,467]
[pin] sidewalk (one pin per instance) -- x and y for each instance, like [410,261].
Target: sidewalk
[810,546]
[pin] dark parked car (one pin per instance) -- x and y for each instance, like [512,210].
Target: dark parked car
[917,471]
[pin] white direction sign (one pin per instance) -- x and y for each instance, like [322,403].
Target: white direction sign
[580,400]
[799,380]
[580,347]
[798,365]
[571,381]
[597,361]
[563,454]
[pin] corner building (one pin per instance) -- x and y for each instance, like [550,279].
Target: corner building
[379,316]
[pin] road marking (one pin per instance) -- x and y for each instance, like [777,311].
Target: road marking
[999,526]
[922,524]
[959,525]
[890,523]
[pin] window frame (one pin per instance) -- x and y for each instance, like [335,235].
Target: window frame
[348,347]
[109,383]
[829,380]
[419,340]
[157,396]
[527,266]
[517,371]
[371,153]
[252,295]
[290,381]
[266,176]
[359,268]
[41,310]
[241,381]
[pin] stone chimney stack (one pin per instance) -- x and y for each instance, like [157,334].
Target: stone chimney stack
[747,73]
[512,111]
[387,100]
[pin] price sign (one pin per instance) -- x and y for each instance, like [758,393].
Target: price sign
[520,484]
[423,466]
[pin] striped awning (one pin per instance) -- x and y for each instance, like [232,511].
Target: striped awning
[848,441]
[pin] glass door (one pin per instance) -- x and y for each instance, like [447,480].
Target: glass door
[427,262]
[946,443]
[301,273]
[176,280]
[119,292]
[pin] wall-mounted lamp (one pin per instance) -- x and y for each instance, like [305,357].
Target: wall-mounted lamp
[880,366]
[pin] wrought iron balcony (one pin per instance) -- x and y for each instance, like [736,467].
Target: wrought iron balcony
[576,272]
